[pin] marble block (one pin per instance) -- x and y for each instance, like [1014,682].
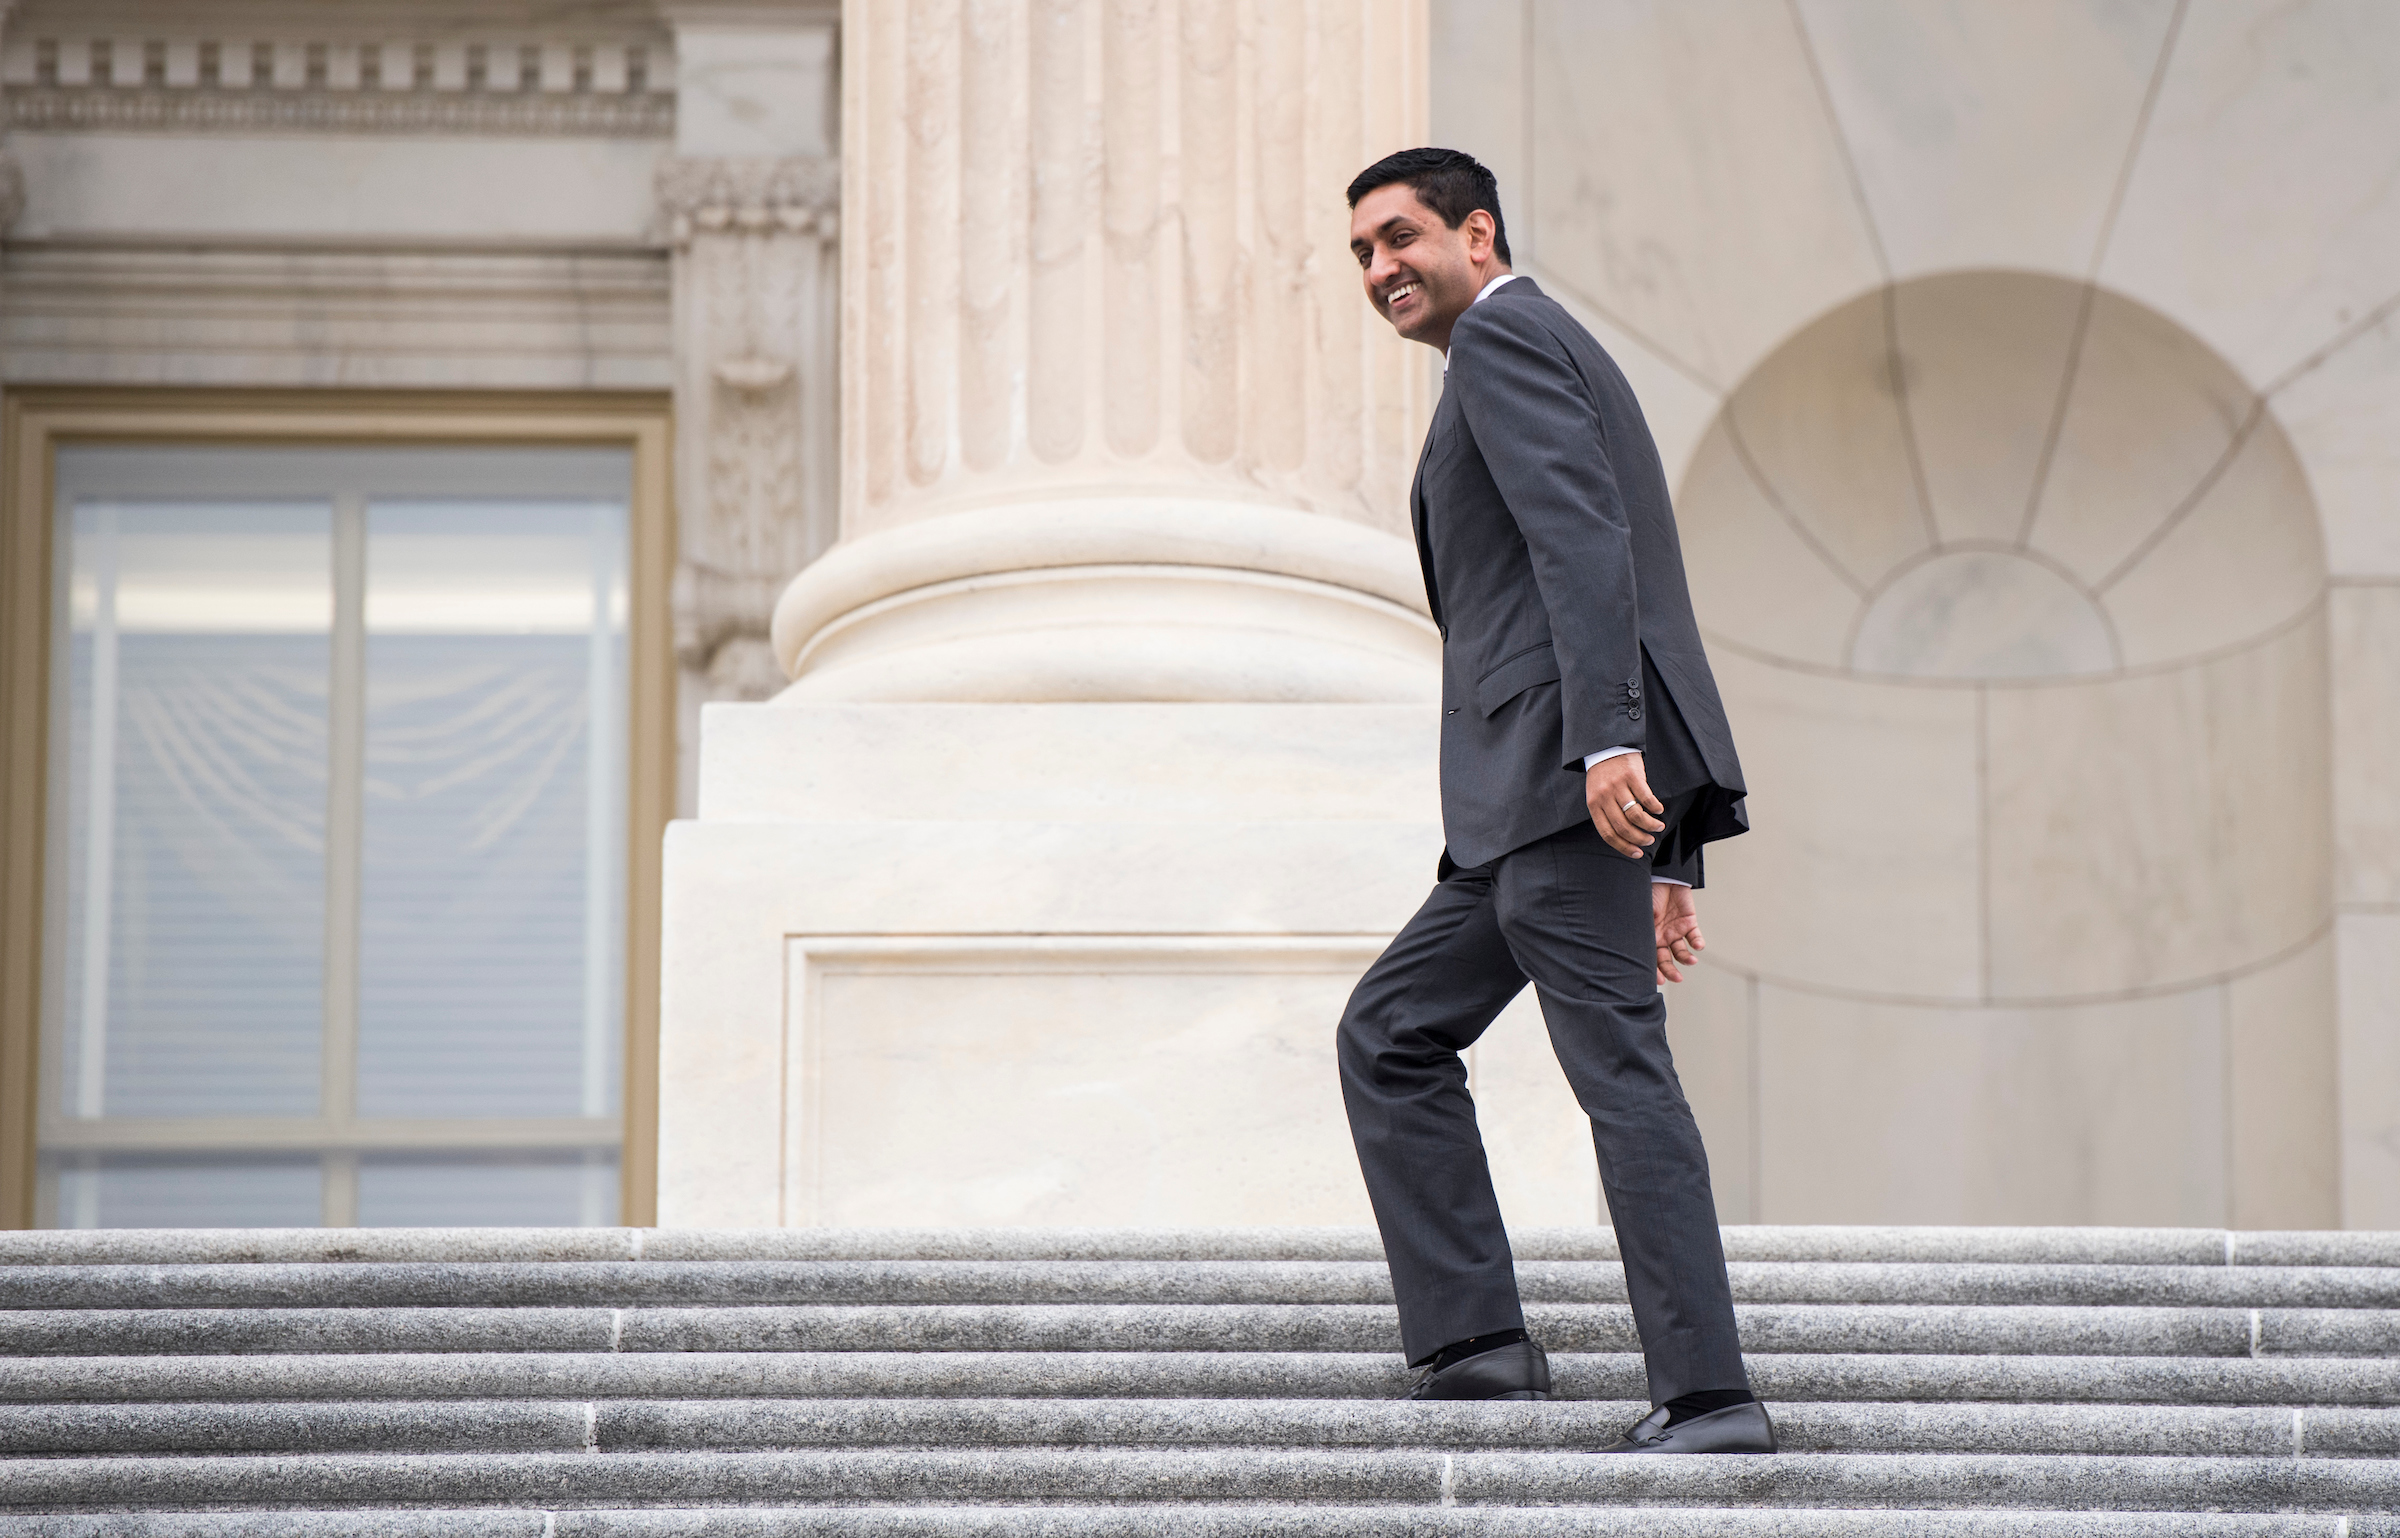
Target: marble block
[2282,1089]
[2128,850]
[1822,420]
[1984,357]
[2343,418]
[1894,1113]
[1687,178]
[1987,135]
[2367,983]
[2365,623]
[1983,614]
[2243,561]
[1757,579]
[2150,413]
[1860,871]
[2264,204]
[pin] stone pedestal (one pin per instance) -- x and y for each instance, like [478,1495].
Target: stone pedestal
[1108,760]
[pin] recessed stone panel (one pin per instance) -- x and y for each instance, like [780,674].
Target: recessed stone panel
[1158,1083]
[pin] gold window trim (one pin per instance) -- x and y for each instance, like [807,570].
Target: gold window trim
[35,422]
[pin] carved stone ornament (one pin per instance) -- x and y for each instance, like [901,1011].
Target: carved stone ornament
[802,194]
[753,399]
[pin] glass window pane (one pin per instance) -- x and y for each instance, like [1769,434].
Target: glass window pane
[192,802]
[186,1191]
[533,1190]
[492,908]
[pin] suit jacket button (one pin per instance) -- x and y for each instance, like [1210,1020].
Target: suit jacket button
[1453,710]
[1633,712]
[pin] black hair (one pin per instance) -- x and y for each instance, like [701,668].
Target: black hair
[1452,183]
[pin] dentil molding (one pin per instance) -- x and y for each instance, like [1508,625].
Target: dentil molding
[290,76]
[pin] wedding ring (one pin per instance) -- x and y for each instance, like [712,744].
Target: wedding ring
[1629,806]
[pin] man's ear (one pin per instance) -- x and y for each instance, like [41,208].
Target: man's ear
[1479,231]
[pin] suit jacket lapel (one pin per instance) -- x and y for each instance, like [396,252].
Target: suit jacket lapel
[1420,522]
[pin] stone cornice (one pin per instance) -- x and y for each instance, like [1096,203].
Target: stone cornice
[205,74]
[650,115]
[346,19]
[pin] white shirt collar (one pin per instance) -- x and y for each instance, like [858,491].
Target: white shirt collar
[1481,295]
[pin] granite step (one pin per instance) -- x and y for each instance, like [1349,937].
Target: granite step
[1748,1242]
[635,1284]
[1201,1521]
[1882,1378]
[608,1426]
[1085,1477]
[1950,1381]
[1766,1328]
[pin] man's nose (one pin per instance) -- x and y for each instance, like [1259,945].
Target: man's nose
[1382,269]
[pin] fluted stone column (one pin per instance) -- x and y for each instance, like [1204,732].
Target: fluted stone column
[1099,315]
[1107,761]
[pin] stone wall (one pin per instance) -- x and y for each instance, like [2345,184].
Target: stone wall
[2030,378]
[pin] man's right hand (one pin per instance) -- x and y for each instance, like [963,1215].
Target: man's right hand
[1629,818]
[1675,916]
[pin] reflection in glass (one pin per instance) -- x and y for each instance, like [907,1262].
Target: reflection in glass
[531,1190]
[494,830]
[189,1191]
[192,805]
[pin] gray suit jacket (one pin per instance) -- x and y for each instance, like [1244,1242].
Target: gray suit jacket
[1552,567]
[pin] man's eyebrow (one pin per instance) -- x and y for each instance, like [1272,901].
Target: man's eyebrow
[1384,228]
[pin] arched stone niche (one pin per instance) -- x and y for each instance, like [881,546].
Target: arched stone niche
[2014,590]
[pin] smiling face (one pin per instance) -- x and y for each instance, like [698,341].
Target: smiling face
[1420,273]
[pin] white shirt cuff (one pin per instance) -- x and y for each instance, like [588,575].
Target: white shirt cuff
[1667,881]
[1605,754]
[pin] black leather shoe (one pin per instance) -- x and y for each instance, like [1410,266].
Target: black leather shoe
[1518,1371]
[1741,1428]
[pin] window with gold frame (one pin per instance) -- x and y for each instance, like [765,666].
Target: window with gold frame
[339,750]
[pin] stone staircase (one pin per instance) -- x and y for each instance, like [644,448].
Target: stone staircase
[548,1383]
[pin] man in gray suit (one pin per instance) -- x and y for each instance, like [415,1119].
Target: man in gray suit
[1585,762]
